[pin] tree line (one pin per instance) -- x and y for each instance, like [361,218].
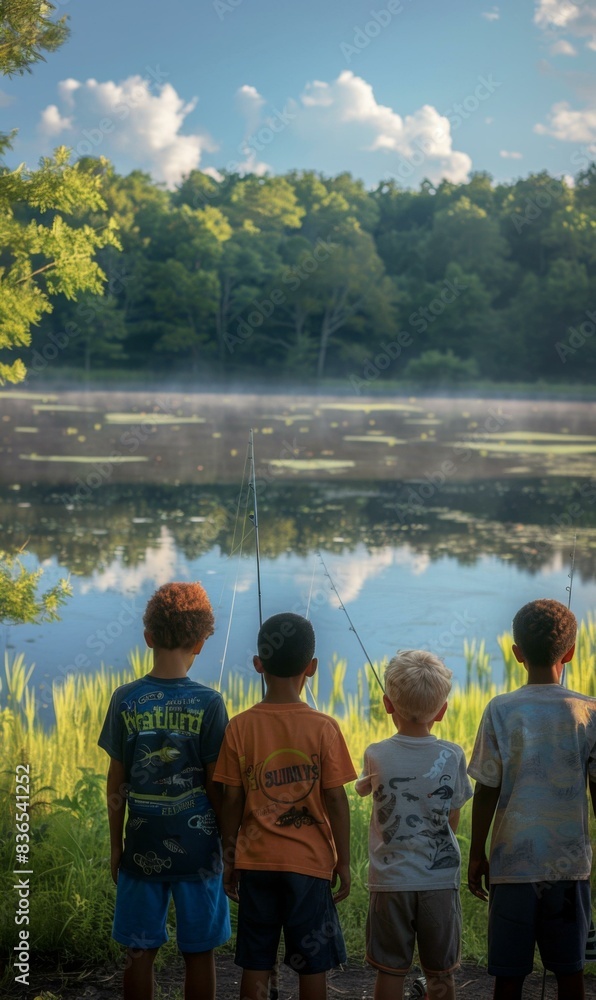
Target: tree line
[309,276]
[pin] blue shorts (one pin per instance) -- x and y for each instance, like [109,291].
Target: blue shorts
[202,913]
[553,915]
[300,904]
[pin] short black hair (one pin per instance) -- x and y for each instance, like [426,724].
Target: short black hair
[286,644]
[544,630]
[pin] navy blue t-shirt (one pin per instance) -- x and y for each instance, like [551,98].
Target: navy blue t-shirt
[164,731]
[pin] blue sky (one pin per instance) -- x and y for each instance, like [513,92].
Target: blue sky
[399,88]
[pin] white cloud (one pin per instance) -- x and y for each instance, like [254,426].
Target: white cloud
[492,15]
[346,114]
[250,104]
[568,125]
[158,565]
[6,99]
[489,121]
[510,155]
[572,17]
[52,122]
[130,119]
[563,48]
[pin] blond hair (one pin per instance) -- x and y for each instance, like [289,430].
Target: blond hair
[417,684]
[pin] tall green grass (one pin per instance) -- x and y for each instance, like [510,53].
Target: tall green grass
[72,901]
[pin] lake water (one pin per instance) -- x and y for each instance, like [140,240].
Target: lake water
[423,554]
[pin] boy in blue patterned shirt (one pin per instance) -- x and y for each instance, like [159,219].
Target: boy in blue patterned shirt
[163,733]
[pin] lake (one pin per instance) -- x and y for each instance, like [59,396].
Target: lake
[436,518]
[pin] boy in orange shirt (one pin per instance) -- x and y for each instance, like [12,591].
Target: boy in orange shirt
[285,819]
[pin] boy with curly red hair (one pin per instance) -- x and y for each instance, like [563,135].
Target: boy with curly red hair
[163,733]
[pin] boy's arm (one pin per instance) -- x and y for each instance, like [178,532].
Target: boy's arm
[231,818]
[454,819]
[485,802]
[116,800]
[214,791]
[338,809]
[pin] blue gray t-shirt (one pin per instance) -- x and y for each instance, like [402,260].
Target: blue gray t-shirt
[164,731]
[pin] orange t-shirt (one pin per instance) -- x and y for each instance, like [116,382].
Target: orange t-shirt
[285,756]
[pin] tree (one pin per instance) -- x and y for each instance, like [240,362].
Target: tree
[20,603]
[26,31]
[42,255]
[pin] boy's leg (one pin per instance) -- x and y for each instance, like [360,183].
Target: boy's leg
[508,987]
[313,987]
[440,987]
[138,974]
[199,979]
[254,984]
[389,987]
[571,987]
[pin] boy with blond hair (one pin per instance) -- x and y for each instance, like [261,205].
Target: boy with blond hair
[535,754]
[163,733]
[286,820]
[419,784]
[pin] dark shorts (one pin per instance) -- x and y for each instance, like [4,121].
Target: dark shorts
[553,915]
[300,905]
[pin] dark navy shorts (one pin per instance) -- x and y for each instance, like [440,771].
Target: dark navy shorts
[303,907]
[553,915]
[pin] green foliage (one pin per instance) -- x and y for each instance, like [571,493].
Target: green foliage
[440,367]
[26,32]
[20,602]
[299,274]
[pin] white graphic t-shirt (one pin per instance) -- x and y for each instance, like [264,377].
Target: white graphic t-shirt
[539,745]
[415,782]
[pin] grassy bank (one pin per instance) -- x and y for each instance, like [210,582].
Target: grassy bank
[72,897]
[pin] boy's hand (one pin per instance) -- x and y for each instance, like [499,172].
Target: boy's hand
[477,870]
[231,880]
[115,859]
[341,872]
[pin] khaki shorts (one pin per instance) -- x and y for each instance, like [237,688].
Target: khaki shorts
[396,920]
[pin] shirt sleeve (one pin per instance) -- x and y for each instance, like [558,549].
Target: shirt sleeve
[227,769]
[364,783]
[213,728]
[337,767]
[485,764]
[463,786]
[110,738]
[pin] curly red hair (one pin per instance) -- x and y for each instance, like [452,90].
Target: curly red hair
[179,615]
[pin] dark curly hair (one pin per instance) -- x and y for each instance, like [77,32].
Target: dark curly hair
[179,615]
[286,644]
[544,631]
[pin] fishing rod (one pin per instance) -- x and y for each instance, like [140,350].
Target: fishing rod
[569,589]
[352,626]
[254,518]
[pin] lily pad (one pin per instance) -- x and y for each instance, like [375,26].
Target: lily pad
[312,464]
[86,459]
[150,418]
[377,439]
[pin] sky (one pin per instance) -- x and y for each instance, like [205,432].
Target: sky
[402,89]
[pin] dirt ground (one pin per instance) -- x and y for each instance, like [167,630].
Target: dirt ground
[353,982]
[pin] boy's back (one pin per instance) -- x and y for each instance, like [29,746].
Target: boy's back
[538,744]
[165,731]
[415,783]
[284,756]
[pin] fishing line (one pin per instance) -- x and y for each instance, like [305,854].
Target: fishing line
[233,550]
[352,626]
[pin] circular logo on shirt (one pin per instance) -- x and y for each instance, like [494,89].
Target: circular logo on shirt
[289,775]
